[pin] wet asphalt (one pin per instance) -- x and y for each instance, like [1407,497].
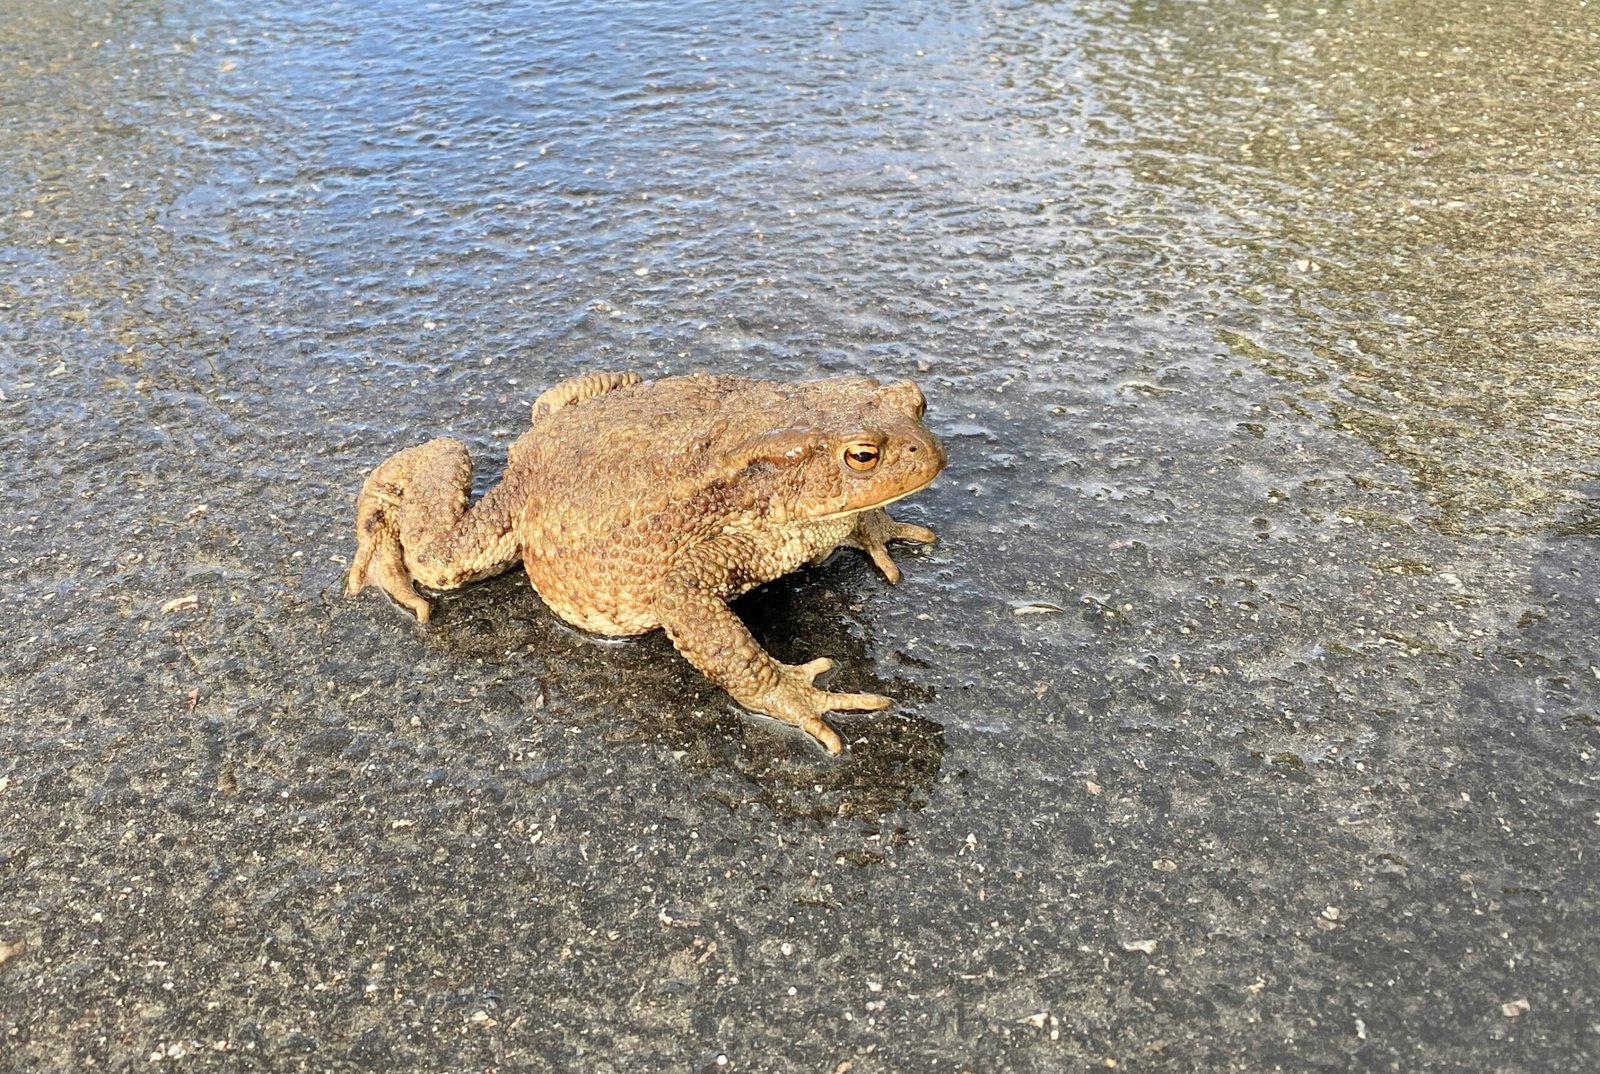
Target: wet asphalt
[1246,711]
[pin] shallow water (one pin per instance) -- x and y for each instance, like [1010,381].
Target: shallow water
[1247,707]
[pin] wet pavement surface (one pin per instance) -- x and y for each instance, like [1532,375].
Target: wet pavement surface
[1247,709]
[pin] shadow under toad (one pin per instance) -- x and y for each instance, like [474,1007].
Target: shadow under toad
[638,691]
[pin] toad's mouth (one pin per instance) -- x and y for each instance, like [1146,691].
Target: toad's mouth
[880,504]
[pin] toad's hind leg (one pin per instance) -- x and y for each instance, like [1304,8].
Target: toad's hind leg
[413,525]
[575,390]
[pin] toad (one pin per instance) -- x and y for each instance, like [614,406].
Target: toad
[639,505]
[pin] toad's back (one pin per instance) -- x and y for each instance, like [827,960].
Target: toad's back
[605,461]
[643,483]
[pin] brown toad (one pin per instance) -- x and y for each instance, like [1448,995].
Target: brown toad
[638,505]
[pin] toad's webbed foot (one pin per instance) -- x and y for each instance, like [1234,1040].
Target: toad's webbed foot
[380,558]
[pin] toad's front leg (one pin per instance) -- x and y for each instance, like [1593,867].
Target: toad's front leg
[413,525]
[875,529]
[713,639]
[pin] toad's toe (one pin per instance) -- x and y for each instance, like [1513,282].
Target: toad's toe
[875,529]
[796,700]
[380,560]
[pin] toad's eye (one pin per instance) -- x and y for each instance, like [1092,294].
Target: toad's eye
[861,457]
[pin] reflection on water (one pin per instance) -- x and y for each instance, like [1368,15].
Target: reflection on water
[1390,209]
[1406,196]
